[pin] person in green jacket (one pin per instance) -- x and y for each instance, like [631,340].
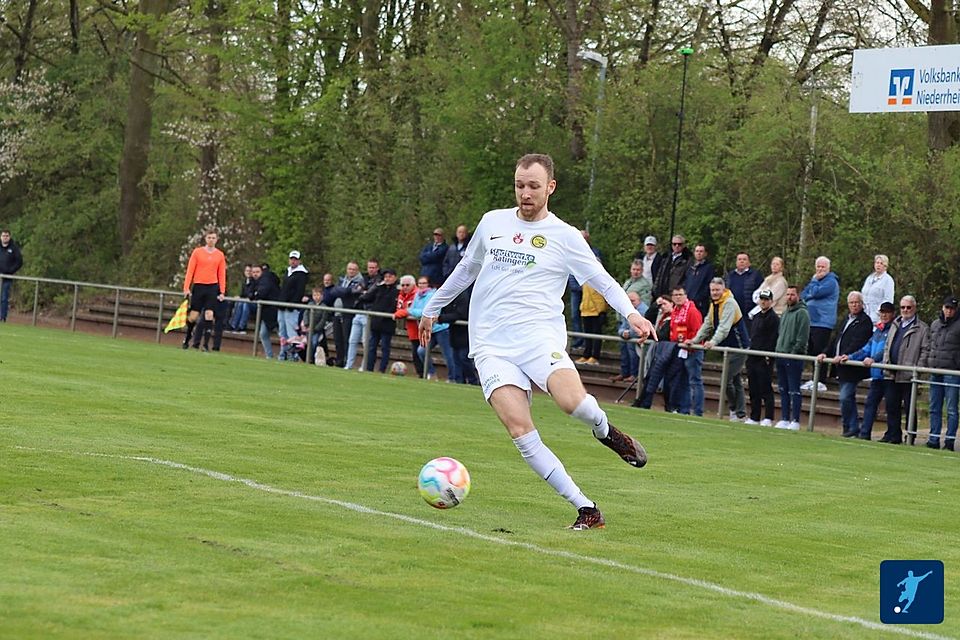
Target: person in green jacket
[794,334]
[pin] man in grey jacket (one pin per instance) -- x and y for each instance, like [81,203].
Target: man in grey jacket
[907,345]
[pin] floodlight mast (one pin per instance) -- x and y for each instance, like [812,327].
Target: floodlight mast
[686,52]
[601,60]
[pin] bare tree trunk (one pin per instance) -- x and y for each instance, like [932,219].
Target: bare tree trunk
[144,64]
[572,27]
[211,201]
[943,127]
[23,43]
[74,27]
[813,42]
[648,32]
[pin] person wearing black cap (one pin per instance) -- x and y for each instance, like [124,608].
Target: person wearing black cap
[764,331]
[870,353]
[944,353]
[381,297]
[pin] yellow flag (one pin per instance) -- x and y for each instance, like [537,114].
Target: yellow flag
[179,319]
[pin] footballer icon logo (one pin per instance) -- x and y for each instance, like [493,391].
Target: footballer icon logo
[518,239]
[911,592]
[901,87]
[538,241]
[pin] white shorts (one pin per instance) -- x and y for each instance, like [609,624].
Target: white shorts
[535,364]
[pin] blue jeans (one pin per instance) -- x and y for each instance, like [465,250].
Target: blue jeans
[788,383]
[874,396]
[629,359]
[466,371]
[665,353]
[5,298]
[939,392]
[694,364]
[265,340]
[441,338]
[288,319]
[383,339]
[241,315]
[849,413]
[357,326]
[575,299]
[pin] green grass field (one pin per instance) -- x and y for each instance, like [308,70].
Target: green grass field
[730,532]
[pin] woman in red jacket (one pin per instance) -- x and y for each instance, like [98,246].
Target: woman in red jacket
[408,291]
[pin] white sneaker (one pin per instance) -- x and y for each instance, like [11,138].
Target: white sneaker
[766,422]
[734,418]
[794,426]
[807,386]
[821,387]
[749,421]
[783,424]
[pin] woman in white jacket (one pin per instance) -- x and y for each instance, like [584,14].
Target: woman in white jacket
[777,283]
[878,287]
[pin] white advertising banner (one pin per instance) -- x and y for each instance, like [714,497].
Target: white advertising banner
[911,79]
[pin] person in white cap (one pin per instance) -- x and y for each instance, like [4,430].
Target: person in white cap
[293,289]
[650,258]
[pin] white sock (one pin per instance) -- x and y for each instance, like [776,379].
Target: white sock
[548,466]
[590,413]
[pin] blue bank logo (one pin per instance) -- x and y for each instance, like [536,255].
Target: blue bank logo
[911,592]
[901,87]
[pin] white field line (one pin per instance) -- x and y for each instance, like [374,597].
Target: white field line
[545,551]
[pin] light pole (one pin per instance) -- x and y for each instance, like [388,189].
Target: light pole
[686,52]
[599,59]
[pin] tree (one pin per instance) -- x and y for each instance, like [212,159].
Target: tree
[145,62]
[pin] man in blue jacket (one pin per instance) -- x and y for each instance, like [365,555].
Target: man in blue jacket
[743,281]
[431,258]
[870,353]
[822,295]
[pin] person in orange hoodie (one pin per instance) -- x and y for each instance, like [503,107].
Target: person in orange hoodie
[206,285]
[408,291]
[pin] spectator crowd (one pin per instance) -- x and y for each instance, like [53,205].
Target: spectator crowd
[693,307]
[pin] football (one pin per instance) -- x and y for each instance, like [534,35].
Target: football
[398,368]
[444,483]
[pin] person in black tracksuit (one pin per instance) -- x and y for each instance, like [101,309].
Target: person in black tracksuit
[764,331]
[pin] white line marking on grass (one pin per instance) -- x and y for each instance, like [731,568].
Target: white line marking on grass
[546,551]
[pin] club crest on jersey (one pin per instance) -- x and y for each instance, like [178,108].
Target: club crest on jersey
[538,241]
[518,239]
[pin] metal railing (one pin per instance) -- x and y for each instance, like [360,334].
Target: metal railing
[726,352]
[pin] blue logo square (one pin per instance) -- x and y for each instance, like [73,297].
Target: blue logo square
[911,592]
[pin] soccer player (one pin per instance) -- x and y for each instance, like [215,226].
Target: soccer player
[206,284]
[519,259]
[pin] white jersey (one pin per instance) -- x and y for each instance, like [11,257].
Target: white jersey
[521,271]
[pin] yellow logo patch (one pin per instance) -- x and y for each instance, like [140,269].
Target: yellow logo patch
[538,241]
